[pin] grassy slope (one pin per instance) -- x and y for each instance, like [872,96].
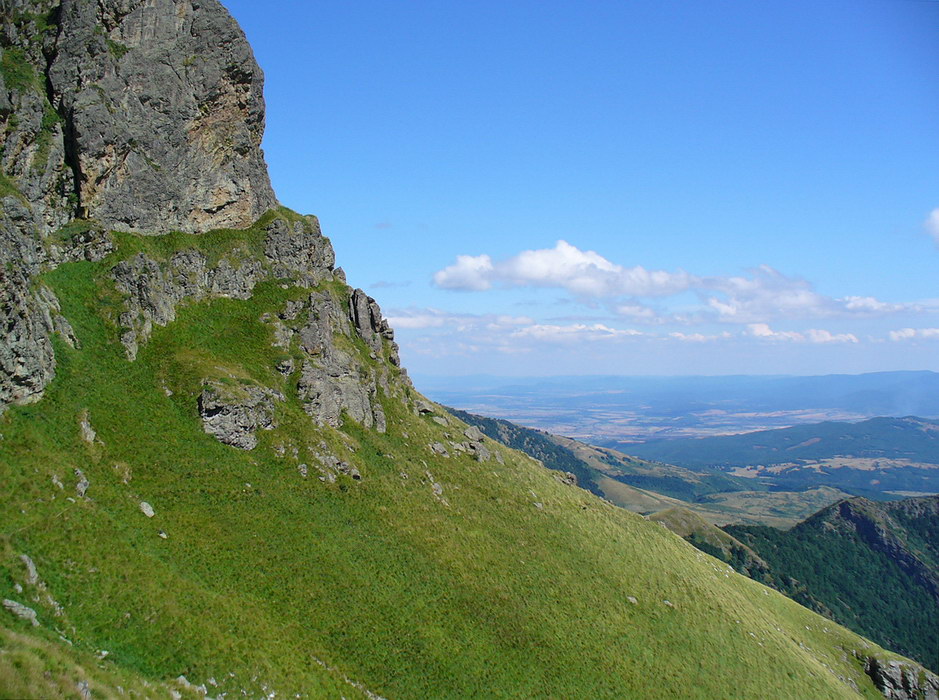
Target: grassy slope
[269,581]
[647,487]
[685,523]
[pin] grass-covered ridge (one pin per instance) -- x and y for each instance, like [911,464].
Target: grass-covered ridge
[429,577]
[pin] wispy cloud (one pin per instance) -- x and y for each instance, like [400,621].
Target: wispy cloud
[699,337]
[812,335]
[932,225]
[762,295]
[913,333]
[767,294]
[573,333]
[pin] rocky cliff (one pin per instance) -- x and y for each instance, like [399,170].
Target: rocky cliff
[129,116]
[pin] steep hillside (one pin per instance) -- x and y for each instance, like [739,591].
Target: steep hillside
[649,487]
[219,481]
[874,565]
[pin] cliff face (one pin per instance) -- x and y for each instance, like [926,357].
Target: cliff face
[163,110]
[135,116]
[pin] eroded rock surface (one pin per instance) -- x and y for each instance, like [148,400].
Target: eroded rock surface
[234,413]
[147,116]
[333,380]
[153,290]
[902,681]
[163,111]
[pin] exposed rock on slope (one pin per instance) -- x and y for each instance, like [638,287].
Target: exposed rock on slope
[145,117]
[164,115]
[234,414]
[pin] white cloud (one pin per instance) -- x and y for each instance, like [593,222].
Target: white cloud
[812,335]
[870,304]
[911,333]
[760,296]
[470,273]
[765,294]
[768,294]
[698,337]
[582,273]
[435,318]
[932,225]
[576,332]
[637,312]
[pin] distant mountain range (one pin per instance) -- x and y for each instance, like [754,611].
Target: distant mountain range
[614,411]
[875,456]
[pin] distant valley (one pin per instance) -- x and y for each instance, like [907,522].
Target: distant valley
[620,411]
[876,457]
[649,487]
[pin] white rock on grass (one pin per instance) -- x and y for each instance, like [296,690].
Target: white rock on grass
[146,509]
[32,576]
[21,611]
[88,433]
[81,488]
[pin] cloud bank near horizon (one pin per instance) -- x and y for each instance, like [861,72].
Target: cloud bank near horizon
[759,296]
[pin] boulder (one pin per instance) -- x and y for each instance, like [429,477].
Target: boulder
[473,433]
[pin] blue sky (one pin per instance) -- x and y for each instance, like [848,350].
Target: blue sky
[663,187]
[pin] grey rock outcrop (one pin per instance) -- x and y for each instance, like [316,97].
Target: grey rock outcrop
[27,361]
[154,290]
[21,611]
[332,380]
[32,137]
[146,115]
[473,433]
[32,575]
[164,114]
[81,488]
[234,413]
[902,681]
[88,433]
[299,251]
